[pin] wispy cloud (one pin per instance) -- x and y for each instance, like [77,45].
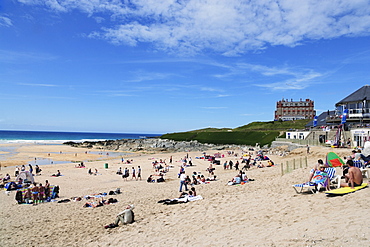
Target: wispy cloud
[214,107]
[228,27]
[24,57]
[211,89]
[5,21]
[37,85]
[140,76]
[300,80]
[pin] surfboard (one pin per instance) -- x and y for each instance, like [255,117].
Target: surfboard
[345,190]
[333,160]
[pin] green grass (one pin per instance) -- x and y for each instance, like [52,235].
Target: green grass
[257,132]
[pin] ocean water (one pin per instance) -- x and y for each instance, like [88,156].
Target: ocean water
[11,136]
[56,138]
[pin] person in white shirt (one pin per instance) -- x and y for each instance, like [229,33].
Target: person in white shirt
[126,216]
[183,181]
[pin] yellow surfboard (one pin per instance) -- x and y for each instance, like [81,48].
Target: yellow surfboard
[345,190]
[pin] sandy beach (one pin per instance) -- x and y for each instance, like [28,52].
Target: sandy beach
[263,212]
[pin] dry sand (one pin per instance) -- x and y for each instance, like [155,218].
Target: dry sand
[265,212]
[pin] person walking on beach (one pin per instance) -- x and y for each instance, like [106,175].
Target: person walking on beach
[237,165]
[126,174]
[133,173]
[183,181]
[138,173]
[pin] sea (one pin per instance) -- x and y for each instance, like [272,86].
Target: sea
[11,136]
[57,138]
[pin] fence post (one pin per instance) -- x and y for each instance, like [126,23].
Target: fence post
[293,164]
[306,161]
[300,162]
[287,166]
[282,168]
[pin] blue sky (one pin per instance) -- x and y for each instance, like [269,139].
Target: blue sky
[147,66]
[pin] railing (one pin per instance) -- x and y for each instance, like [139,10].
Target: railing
[301,141]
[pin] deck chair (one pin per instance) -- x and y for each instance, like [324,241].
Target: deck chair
[334,179]
[319,180]
[358,164]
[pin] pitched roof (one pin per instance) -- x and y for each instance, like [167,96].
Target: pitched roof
[359,95]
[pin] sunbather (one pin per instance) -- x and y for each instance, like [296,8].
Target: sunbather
[315,168]
[354,177]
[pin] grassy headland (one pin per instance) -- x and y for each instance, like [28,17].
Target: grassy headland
[255,132]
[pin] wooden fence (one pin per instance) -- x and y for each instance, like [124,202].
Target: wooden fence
[291,165]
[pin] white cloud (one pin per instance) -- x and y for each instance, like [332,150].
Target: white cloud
[23,57]
[210,89]
[300,80]
[37,85]
[140,76]
[214,107]
[5,21]
[228,27]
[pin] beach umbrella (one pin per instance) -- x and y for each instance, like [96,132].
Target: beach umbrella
[333,160]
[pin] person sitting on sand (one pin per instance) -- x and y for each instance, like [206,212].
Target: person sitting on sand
[194,176]
[260,165]
[6,178]
[119,171]
[126,216]
[244,177]
[354,177]
[270,163]
[160,179]
[192,189]
[57,175]
[150,179]
[38,170]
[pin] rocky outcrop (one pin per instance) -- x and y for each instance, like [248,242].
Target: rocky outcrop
[152,144]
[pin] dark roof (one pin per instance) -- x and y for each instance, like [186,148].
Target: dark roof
[321,119]
[360,95]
